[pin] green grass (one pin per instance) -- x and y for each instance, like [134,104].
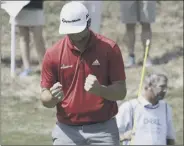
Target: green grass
[175,99]
[23,123]
[22,138]
[26,124]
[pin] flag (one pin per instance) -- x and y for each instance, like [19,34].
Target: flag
[13,7]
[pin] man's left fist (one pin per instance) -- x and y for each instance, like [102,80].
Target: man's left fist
[92,85]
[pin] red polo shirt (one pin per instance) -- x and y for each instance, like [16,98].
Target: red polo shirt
[64,63]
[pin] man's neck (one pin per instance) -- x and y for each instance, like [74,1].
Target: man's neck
[150,100]
[153,102]
[82,45]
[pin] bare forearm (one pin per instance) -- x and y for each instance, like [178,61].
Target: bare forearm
[47,99]
[114,92]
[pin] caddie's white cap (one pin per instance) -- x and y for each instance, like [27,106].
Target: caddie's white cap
[73,18]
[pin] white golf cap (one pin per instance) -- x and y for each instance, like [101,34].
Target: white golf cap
[73,18]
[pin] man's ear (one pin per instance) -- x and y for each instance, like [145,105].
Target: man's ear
[148,87]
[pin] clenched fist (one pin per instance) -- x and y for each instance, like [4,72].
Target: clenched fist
[92,85]
[56,91]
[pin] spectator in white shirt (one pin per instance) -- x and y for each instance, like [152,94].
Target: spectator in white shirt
[148,119]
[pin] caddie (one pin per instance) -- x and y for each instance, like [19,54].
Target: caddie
[148,119]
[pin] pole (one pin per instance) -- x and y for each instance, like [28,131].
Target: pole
[13,47]
[140,87]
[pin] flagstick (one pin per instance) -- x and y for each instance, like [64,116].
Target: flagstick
[140,86]
[144,65]
[13,46]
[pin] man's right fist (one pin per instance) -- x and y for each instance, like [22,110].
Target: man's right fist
[56,91]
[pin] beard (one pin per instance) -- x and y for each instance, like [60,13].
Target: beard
[160,95]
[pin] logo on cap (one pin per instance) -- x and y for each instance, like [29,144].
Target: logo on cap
[70,21]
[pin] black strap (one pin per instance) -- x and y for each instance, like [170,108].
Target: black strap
[166,113]
[133,111]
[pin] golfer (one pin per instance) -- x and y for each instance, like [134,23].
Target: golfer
[148,119]
[83,76]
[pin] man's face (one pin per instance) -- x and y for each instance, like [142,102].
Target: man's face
[158,91]
[78,37]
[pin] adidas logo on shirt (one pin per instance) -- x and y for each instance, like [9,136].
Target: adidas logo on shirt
[96,62]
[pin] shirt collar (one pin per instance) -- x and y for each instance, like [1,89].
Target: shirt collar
[146,103]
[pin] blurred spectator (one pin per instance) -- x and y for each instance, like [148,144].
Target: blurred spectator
[95,12]
[133,12]
[31,19]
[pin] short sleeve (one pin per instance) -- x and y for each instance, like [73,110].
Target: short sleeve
[123,118]
[170,127]
[116,65]
[48,77]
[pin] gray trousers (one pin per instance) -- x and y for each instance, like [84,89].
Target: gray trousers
[105,133]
